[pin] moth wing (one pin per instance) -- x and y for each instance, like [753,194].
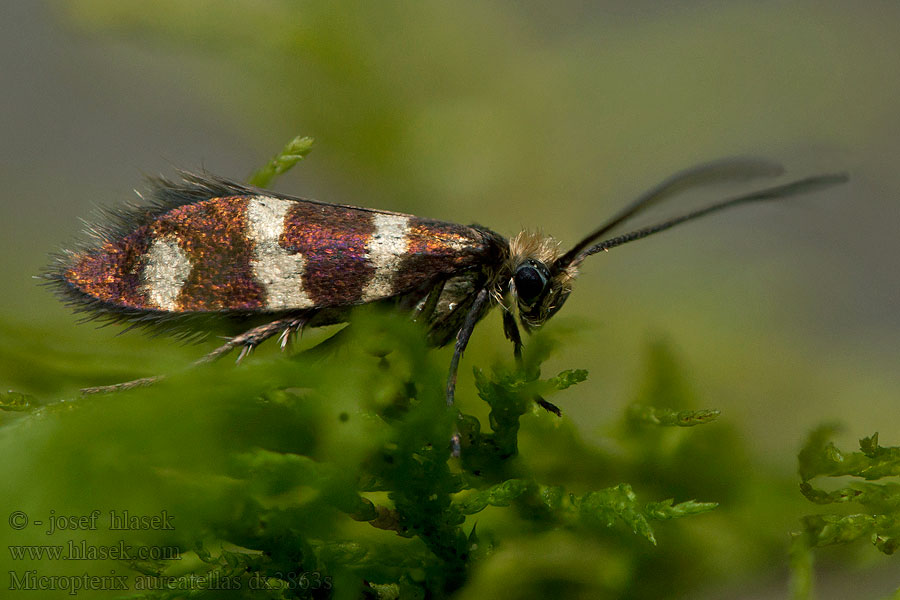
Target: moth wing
[205,246]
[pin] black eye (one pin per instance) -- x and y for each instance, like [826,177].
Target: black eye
[530,283]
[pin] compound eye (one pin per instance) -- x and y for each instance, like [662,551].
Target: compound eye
[530,283]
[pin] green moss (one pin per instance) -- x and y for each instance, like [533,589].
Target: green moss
[292,153]
[296,473]
[861,510]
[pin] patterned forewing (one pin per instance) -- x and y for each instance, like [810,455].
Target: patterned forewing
[264,253]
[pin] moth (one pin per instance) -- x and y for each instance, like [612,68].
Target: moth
[206,246]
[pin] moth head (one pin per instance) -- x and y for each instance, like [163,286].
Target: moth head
[538,289]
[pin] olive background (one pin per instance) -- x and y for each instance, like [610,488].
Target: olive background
[510,115]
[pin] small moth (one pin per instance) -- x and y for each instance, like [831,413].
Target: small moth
[208,246]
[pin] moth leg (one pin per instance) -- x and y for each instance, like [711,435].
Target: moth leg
[430,305]
[547,405]
[511,330]
[125,385]
[252,338]
[288,333]
[247,340]
[462,339]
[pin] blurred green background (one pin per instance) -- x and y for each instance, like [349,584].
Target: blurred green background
[512,115]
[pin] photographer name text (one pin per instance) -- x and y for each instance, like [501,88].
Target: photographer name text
[113,520]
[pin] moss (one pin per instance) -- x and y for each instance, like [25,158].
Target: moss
[860,510]
[303,476]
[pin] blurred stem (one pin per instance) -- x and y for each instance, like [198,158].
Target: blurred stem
[801,567]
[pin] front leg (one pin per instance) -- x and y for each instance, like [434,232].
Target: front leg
[429,305]
[511,330]
[475,313]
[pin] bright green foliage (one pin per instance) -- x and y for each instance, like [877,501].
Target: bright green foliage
[873,508]
[606,507]
[295,151]
[501,494]
[821,457]
[330,474]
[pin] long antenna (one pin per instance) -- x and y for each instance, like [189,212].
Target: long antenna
[790,189]
[729,169]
